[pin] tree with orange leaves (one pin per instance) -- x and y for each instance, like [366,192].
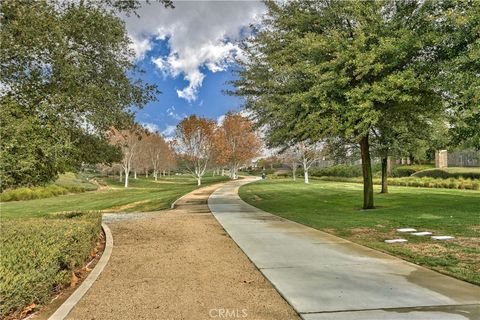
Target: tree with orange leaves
[194,142]
[241,142]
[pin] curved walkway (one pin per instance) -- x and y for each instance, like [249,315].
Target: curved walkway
[178,264]
[326,277]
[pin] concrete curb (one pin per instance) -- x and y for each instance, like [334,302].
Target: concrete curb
[72,301]
[175,202]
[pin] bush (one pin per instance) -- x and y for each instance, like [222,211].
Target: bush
[425,182]
[408,170]
[38,192]
[39,256]
[340,171]
[258,172]
[443,174]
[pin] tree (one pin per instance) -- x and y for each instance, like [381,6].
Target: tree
[220,156]
[157,152]
[459,78]
[68,66]
[129,141]
[289,157]
[241,143]
[194,141]
[336,68]
[308,153]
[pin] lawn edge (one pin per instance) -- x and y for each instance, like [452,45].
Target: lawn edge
[361,244]
[77,295]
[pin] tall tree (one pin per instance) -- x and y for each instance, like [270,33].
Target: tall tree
[325,69]
[68,66]
[241,141]
[194,138]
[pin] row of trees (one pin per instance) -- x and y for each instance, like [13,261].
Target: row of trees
[142,151]
[363,72]
[200,144]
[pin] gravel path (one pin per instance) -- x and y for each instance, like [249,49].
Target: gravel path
[179,264]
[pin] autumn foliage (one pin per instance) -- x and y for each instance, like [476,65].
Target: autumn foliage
[240,142]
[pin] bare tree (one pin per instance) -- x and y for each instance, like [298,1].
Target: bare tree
[308,153]
[291,159]
[157,151]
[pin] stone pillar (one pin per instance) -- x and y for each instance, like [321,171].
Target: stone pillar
[441,159]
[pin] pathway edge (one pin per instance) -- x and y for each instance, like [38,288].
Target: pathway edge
[75,297]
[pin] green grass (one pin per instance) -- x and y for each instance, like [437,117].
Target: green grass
[141,195]
[71,179]
[335,207]
[41,248]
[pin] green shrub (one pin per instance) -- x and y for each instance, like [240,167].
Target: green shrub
[415,182]
[408,170]
[340,171]
[38,192]
[39,256]
[258,172]
[443,174]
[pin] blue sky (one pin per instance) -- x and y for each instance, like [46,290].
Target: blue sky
[188,53]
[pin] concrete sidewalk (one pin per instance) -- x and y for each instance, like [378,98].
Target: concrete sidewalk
[326,277]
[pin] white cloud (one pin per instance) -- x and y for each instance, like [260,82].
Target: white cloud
[152,127]
[200,34]
[141,46]
[220,120]
[169,131]
[174,115]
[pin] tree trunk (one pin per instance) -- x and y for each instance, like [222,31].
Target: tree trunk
[121,173]
[135,174]
[199,181]
[223,172]
[146,173]
[155,174]
[384,174]
[126,178]
[367,174]
[294,173]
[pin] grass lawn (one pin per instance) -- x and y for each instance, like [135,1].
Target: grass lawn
[335,207]
[141,195]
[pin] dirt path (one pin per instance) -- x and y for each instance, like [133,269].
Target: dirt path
[179,264]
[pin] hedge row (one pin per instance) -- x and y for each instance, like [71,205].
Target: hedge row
[439,173]
[38,192]
[408,170]
[340,171]
[424,182]
[39,256]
